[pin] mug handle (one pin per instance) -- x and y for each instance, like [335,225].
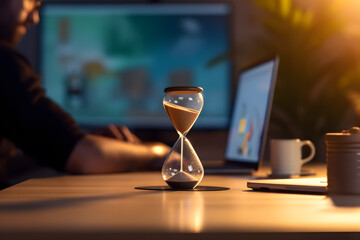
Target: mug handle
[312,148]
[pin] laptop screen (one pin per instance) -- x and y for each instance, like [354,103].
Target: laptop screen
[251,113]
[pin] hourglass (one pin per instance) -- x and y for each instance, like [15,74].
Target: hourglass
[182,168]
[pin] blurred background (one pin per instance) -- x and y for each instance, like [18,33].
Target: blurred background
[109,63]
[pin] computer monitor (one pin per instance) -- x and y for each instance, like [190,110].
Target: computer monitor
[109,62]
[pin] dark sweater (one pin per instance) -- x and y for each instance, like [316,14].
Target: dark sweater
[39,127]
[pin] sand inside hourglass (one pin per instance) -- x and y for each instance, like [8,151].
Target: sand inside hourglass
[182,180]
[181,117]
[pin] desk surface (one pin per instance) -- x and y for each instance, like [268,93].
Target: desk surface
[109,205]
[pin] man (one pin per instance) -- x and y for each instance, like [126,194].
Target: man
[42,129]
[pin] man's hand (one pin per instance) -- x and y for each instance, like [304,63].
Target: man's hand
[160,152]
[96,154]
[121,133]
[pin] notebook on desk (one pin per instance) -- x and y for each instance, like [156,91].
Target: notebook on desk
[308,185]
[250,119]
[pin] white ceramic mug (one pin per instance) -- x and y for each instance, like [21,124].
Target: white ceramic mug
[286,155]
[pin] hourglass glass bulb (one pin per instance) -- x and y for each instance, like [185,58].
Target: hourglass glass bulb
[182,118]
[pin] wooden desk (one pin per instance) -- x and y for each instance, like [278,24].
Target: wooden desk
[108,207]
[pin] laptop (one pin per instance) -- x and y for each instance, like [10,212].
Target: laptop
[306,185]
[250,119]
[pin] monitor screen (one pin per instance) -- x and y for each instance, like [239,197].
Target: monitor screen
[109,63]
[251,111]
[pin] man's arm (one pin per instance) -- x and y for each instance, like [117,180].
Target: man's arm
[95,154]
[46,132]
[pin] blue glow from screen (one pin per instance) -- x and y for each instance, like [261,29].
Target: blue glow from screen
[109,63]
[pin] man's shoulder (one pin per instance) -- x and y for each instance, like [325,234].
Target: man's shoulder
[14,66]
[10,56]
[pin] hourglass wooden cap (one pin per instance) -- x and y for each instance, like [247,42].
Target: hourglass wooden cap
[183,90]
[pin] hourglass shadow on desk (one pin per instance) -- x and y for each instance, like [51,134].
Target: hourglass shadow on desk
[167,188]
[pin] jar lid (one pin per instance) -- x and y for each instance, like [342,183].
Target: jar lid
[346,136]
